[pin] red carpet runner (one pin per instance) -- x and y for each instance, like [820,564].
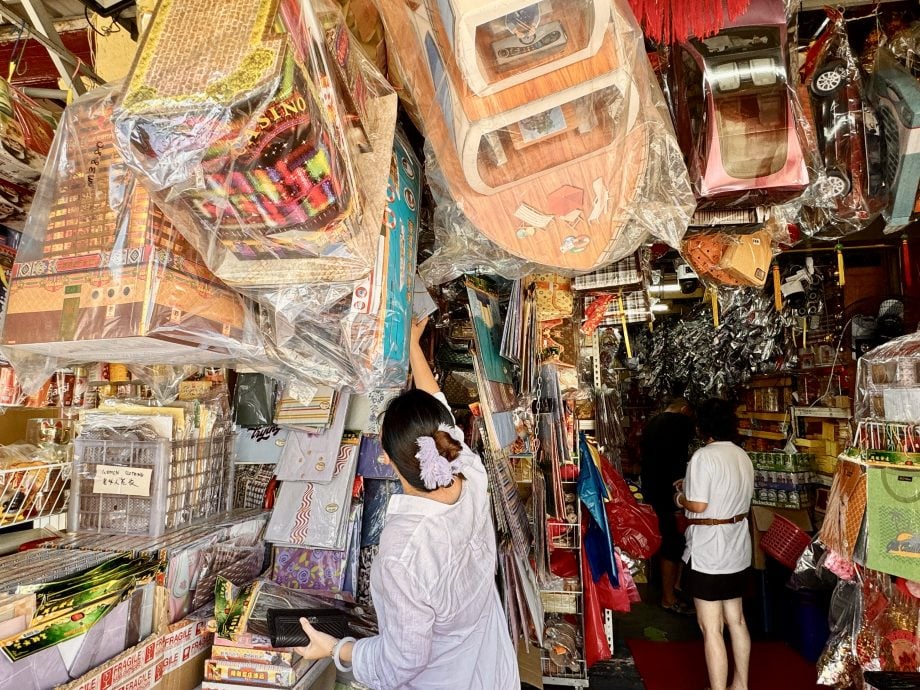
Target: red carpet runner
[682,666]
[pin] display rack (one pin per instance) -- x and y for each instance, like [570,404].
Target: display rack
[824,432]
[33,492]
[566,602]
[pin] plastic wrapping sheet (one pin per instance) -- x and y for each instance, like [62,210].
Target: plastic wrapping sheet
[737,114]
[888,382]
[101,274]
[26,132]
[269,154]
[546,125]
[263,595]
[731,258]
[163,380]
[354,334]
[888,636]
[364,22]
[838,666]
[849,189]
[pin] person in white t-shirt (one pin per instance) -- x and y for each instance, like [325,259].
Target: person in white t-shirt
[716,497]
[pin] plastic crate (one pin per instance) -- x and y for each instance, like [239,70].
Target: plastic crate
[148,487]
[784,541]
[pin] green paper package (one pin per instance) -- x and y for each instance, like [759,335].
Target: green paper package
[894,521]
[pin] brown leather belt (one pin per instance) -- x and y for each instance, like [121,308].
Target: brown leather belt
[714,521]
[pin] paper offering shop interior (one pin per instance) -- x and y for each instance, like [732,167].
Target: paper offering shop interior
[232,234]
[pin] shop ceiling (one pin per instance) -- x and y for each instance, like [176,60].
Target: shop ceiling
[58,27]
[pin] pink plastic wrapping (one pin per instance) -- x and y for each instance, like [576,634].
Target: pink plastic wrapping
[736,111]
[849,190]
[101,274]
[888,383]
[545,124]
[265,139]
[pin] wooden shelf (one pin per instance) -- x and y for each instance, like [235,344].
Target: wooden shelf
[773,382]
[825,412]
[757,433]
[767,416]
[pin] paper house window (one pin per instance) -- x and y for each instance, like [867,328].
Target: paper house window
[501,44]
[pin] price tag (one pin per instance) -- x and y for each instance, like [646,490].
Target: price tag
[124,481]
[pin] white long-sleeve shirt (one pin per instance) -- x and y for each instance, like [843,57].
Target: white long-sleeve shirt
[433,584]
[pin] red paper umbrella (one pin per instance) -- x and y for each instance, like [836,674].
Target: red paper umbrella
[670,21]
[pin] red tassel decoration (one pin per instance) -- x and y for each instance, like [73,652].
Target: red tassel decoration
[906,269]
[672,21]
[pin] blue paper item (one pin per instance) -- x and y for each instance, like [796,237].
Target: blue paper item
[401,226]
[369,465]
[597,541]
[377,493]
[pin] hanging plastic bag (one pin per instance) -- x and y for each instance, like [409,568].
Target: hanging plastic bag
[633,526]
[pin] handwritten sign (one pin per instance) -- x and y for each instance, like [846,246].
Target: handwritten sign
[124,481]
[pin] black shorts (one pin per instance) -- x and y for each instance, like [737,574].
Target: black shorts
[720,587]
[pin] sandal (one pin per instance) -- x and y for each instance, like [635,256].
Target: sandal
[680,608]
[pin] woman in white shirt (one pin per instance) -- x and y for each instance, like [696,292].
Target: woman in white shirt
[433,582]
[716,497]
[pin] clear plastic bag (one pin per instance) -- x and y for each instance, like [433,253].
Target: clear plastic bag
[736,111]
[729,257]
[101,274]
[849,190]
[269,154]
[888,383]
[546,125]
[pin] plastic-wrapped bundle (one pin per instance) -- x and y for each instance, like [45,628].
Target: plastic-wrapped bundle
[269,152]
[357,335]
[732,258]
[849,191]
[546,125]
[101,274]
[888,382]
[737,114]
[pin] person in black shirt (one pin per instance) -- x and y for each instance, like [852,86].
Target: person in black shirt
[665,451]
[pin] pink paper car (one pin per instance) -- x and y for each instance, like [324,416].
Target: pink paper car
[733,111]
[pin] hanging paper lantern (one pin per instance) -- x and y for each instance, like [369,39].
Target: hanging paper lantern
[669,21]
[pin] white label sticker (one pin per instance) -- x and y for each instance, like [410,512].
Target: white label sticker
[125,481]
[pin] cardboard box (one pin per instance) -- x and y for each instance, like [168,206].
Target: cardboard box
[320,676]
[122,627]
[748,258]
[173,660]
[105,272]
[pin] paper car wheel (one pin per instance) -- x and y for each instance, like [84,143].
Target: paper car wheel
[828,80]
[837,184]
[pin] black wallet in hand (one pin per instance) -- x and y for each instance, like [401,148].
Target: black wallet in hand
[285,630]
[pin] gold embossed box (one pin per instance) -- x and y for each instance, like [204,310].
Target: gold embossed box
[101,272]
